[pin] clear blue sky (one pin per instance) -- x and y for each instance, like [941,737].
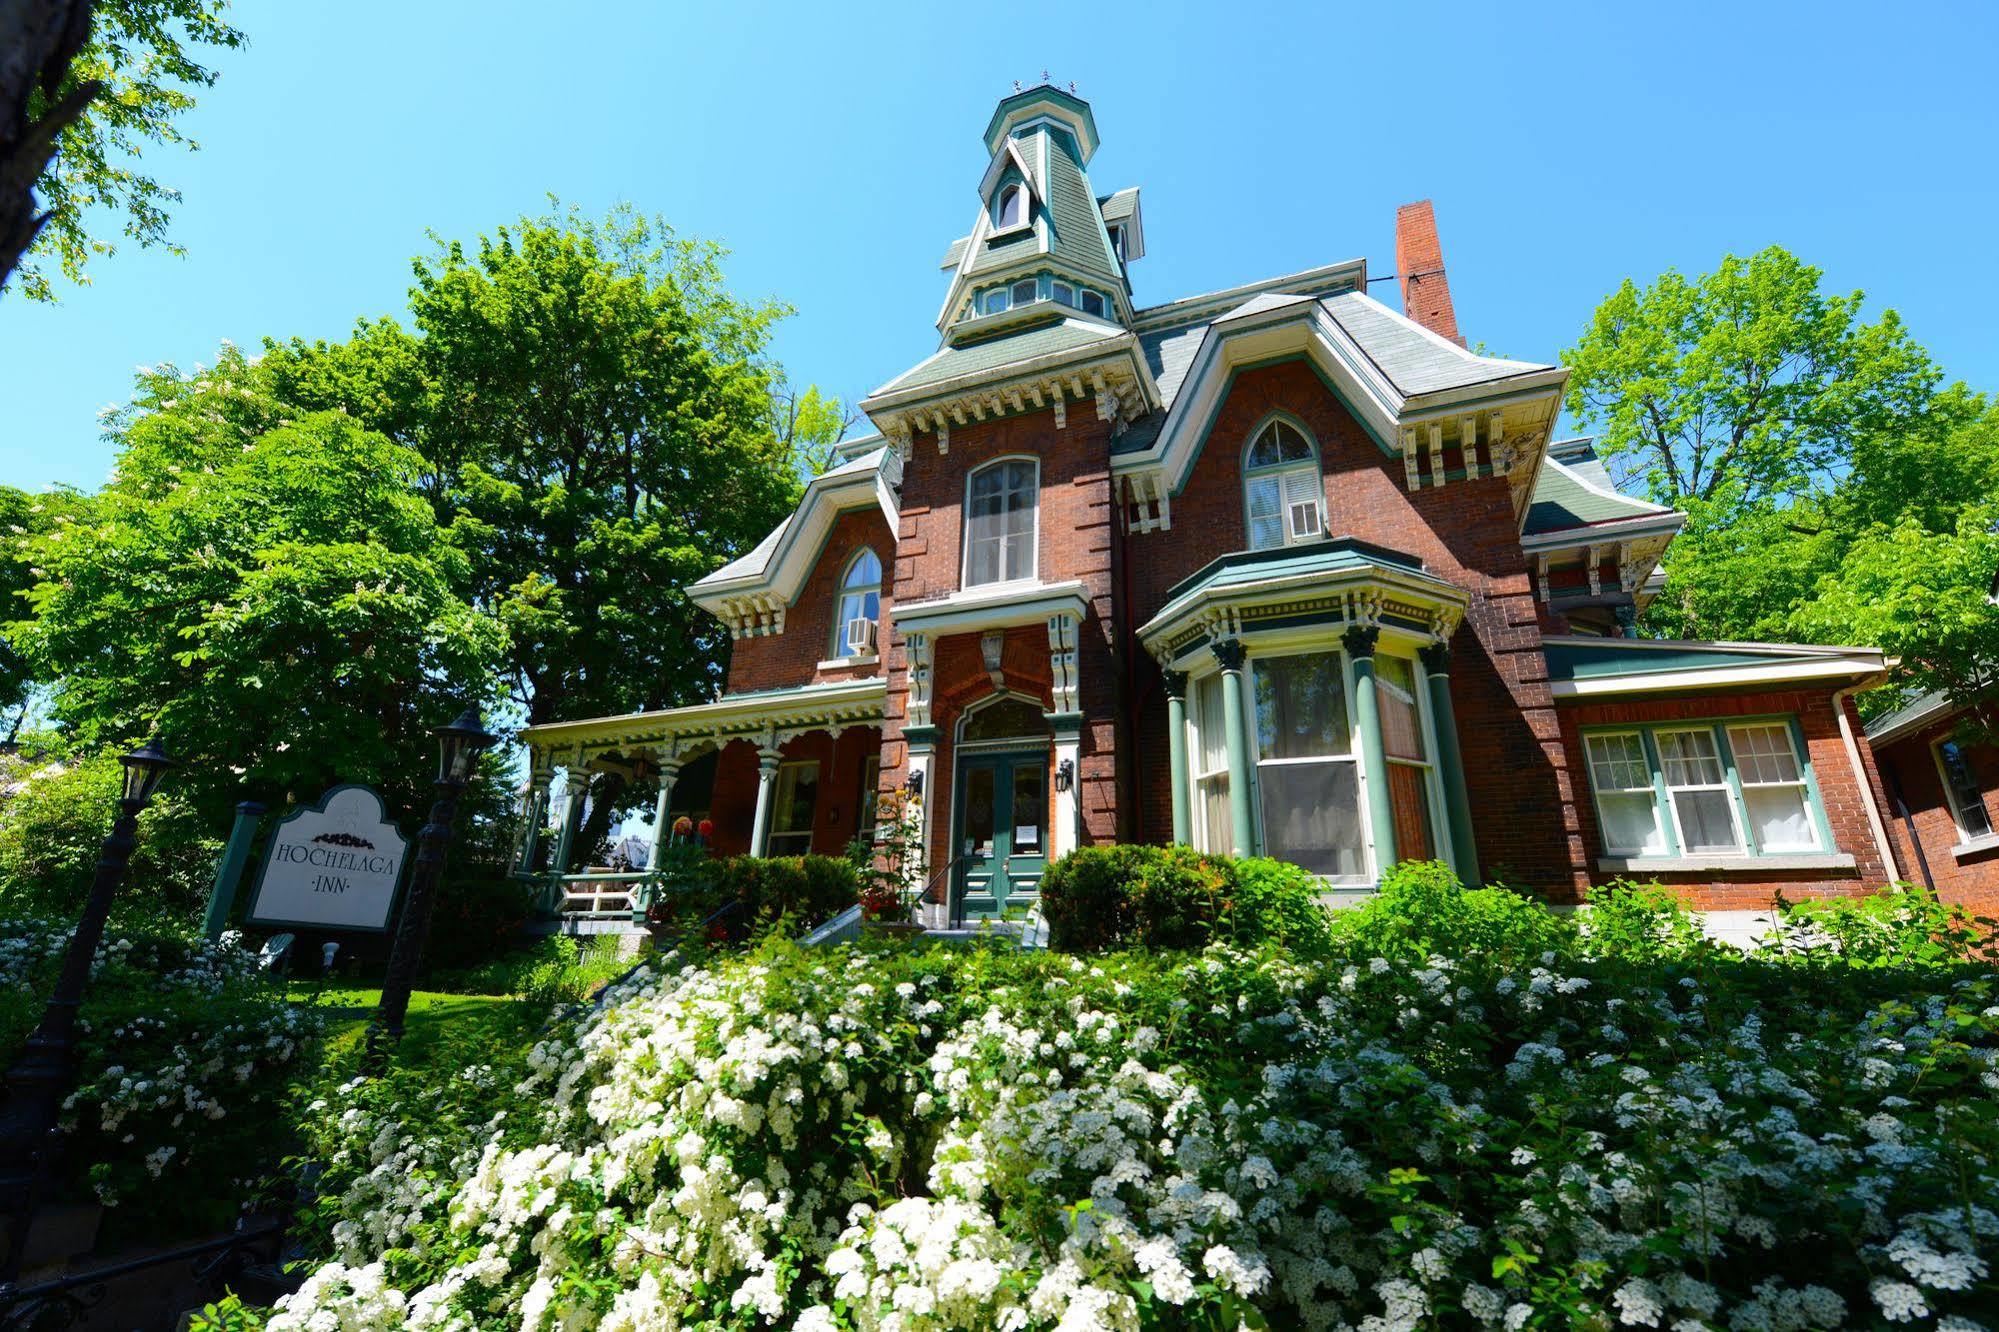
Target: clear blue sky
[835,149]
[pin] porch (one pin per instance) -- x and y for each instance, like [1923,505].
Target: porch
[783,772]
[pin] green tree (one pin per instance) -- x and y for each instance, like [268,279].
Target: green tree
[1749,384]
[25,517]
[265,589]
[594,414]
[83,88]
[809,425]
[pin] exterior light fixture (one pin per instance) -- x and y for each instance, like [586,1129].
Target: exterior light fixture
[916,782]
[1065,774]
[145,769]
[460,744]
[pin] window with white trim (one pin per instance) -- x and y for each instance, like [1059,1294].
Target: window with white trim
[1960,784]
[1211,765]
[1408,752]
[1001,502]
[1774,795]
[1011,209]
[1307,775]
[995,301]
[1024,291]
[1282,492]
[1062,294]
[858,622]
[1093,303]
[794,803]
[1721,788]
[1697,789]
[1626,806]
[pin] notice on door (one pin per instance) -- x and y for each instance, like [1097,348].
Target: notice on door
[332,866]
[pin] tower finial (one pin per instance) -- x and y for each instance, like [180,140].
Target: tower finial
[1044,76]
[1016,85]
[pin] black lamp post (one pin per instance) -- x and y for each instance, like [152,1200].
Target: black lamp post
[459,746]
[40,1078]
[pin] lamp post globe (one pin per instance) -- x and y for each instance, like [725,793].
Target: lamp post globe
[460,744]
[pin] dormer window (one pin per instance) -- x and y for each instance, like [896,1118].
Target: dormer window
[995,301]
[1281,488]
[1063,294]
[1012,209]
[1023,291]
[1093,304]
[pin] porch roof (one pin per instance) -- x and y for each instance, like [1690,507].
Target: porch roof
[1582,667]
[766,717]
[1340,579]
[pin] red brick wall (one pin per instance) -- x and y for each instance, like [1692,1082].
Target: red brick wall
[1074,543]
[1516,766]
[1419,262]
[789,659]
[1910,766]
[837,815]
[1832,767]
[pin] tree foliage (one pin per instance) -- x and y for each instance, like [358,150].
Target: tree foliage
[266,590]
[84,87]
[1748,384]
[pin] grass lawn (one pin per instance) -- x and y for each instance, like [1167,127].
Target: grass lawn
[348,1010]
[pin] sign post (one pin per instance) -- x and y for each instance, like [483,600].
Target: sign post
[331,866]
[229,874]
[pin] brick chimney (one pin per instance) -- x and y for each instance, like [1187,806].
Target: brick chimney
[1419,263]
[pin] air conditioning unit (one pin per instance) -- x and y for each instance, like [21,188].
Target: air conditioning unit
[859,637]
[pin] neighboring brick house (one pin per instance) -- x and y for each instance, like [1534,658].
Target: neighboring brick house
[1271,570]
[1942,784]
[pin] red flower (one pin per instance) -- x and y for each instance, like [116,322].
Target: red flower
[707,829]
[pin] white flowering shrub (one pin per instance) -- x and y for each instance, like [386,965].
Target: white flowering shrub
[947,1138]
[180,1106]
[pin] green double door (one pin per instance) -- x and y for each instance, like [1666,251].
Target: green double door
[1002,832]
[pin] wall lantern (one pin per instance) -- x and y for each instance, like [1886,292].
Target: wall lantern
[992,648]
[1065,774]
[916,782]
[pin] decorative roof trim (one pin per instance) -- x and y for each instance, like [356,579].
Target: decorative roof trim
[999,606]
[1110,374]
[1809,664]
[1326,280]
[676,734]
[752,603]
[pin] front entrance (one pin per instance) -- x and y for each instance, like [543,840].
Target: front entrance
[1001,828]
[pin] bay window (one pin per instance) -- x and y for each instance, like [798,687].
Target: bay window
[1211,766]
[1002,499]
[1308,779]
[1281,488]
[1403,742]
[1734,788]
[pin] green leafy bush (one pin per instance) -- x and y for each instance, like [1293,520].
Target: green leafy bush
[801,890]
[1902,926]
[1422,911]
[1642,922]
[188,1048]
[54,823]
[1098,898]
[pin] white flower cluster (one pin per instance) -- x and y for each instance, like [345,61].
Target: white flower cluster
[947,1139]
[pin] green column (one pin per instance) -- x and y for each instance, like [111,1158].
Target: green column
[1229,652]
[1451,763]
[535,816]
[1359,642]
[1176,754]
[572,814]
[229,874]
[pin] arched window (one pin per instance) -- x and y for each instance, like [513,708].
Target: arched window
[856,627]
[995,300]
[1000,503]
[1023,291]
[1281,489]
[1012,208]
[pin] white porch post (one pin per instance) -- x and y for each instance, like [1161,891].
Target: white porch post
[767,760]
[534,815]
[573,789]
[1066,719]
[669,773]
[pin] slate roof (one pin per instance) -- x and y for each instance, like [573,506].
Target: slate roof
[1573,489]
[1040,340]
[1118,207]
[1411,357]
[1919,709]
[955,253]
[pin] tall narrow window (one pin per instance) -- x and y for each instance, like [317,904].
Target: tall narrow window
[1698,786]
[1012,210]
[1211,766]
[1408,758]
[1281,488]
[1307,778]
[1621,776]
[857,624]
[1773,788]
[1000,509]
[1967,801]
[796,801]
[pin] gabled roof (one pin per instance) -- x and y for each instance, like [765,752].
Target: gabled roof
[1566,496]
[1584,667]
[770,574]
[1918,712]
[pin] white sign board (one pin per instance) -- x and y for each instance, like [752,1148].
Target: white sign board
[334,865]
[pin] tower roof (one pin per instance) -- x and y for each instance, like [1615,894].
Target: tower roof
[1046,100]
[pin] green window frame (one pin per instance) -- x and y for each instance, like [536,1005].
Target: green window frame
[1760,763]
